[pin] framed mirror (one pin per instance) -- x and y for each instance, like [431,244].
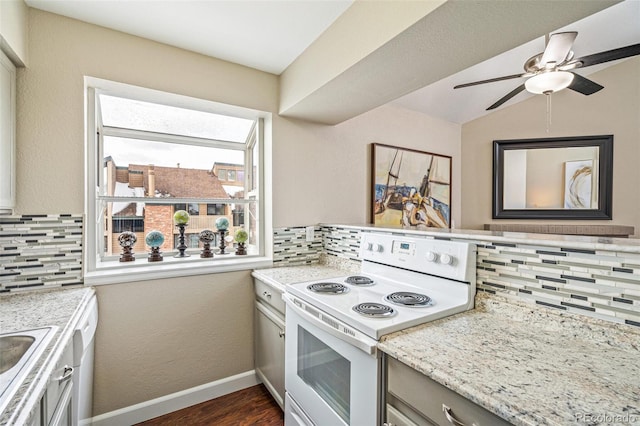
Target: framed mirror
[553,178]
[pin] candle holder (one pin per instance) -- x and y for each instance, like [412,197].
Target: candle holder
[207,237]
[155,255]
[241,250]
[223,244]
[181,245]
[127,240]
[154,239]
[241,238]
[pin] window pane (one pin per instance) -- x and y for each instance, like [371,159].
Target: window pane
[139,168]
[159,217]
[131,223]
[194,209]
[138,115]
[215,209]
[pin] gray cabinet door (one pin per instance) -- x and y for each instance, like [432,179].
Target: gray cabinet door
[269,348]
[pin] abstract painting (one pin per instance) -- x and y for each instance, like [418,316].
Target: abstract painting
[578,184]
[410,187]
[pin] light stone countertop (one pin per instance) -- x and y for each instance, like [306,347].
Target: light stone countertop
[529,365]
[280,277]
[23,311]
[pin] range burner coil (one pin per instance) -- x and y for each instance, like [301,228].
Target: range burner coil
[373,309]
[328,288]
[406,298]
[359,280]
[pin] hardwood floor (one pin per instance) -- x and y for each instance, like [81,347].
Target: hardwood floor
[251,406]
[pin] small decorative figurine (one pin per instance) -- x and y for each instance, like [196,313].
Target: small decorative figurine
[154,239]
[207,236]
[222,223]
[127,240]
[181,218]
[241,238]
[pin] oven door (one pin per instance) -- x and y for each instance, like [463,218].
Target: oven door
[327,374]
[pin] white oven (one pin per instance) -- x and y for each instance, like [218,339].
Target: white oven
[333,373]
[332,367]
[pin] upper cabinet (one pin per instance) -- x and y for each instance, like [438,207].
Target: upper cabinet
[7,134]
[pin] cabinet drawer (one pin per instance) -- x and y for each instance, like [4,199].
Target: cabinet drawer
[427,397]
[269,295]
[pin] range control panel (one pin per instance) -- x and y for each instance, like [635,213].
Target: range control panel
[449,259]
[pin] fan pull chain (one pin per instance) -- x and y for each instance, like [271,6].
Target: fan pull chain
[548,96]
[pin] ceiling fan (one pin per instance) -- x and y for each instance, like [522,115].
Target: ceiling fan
[550,71]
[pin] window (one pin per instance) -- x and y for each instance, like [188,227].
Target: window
[215,209]
[231,175]
[156,154]
[133,224]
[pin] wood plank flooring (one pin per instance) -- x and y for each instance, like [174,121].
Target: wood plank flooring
[251,406]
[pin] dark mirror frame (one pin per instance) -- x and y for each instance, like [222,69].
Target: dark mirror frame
[605,177]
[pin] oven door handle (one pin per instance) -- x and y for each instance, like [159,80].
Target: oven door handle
[354,338]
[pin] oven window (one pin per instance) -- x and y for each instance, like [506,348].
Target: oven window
[327,372]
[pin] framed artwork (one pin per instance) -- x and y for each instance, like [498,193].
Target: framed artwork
[410,187]
[578,178]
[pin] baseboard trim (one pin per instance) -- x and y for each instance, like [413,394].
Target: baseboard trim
[176,401]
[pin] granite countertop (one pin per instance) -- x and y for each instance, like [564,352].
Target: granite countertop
[24,311]
[282,276]
[529,365]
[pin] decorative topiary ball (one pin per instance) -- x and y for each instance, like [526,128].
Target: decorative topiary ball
[241,236]
[207,236]
[127,239]
[181,217]
[154,238]
[222,223]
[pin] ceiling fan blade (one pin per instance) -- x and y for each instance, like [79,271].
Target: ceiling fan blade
[491,80]
[583,85]
[506,97]
[609,55]
[558,47]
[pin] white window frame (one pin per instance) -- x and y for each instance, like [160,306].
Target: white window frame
[98,271]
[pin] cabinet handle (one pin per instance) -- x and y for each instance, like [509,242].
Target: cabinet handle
[67,373]
[266,294]
[281,333]
[449,415]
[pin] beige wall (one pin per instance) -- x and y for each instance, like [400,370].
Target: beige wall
[322,173]
[162,336]
[614,110]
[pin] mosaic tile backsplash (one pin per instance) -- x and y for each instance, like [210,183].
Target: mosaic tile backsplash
[40,251]
[45,251]
[600,284]
[290,247]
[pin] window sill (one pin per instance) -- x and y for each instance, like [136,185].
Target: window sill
[115,272]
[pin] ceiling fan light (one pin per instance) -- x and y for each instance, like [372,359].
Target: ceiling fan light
[548,82]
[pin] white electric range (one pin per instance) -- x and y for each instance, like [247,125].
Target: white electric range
[332,367]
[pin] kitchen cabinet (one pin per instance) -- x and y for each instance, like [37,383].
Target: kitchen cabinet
[57,401]
[414,399]
[269,338]
[7,134]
